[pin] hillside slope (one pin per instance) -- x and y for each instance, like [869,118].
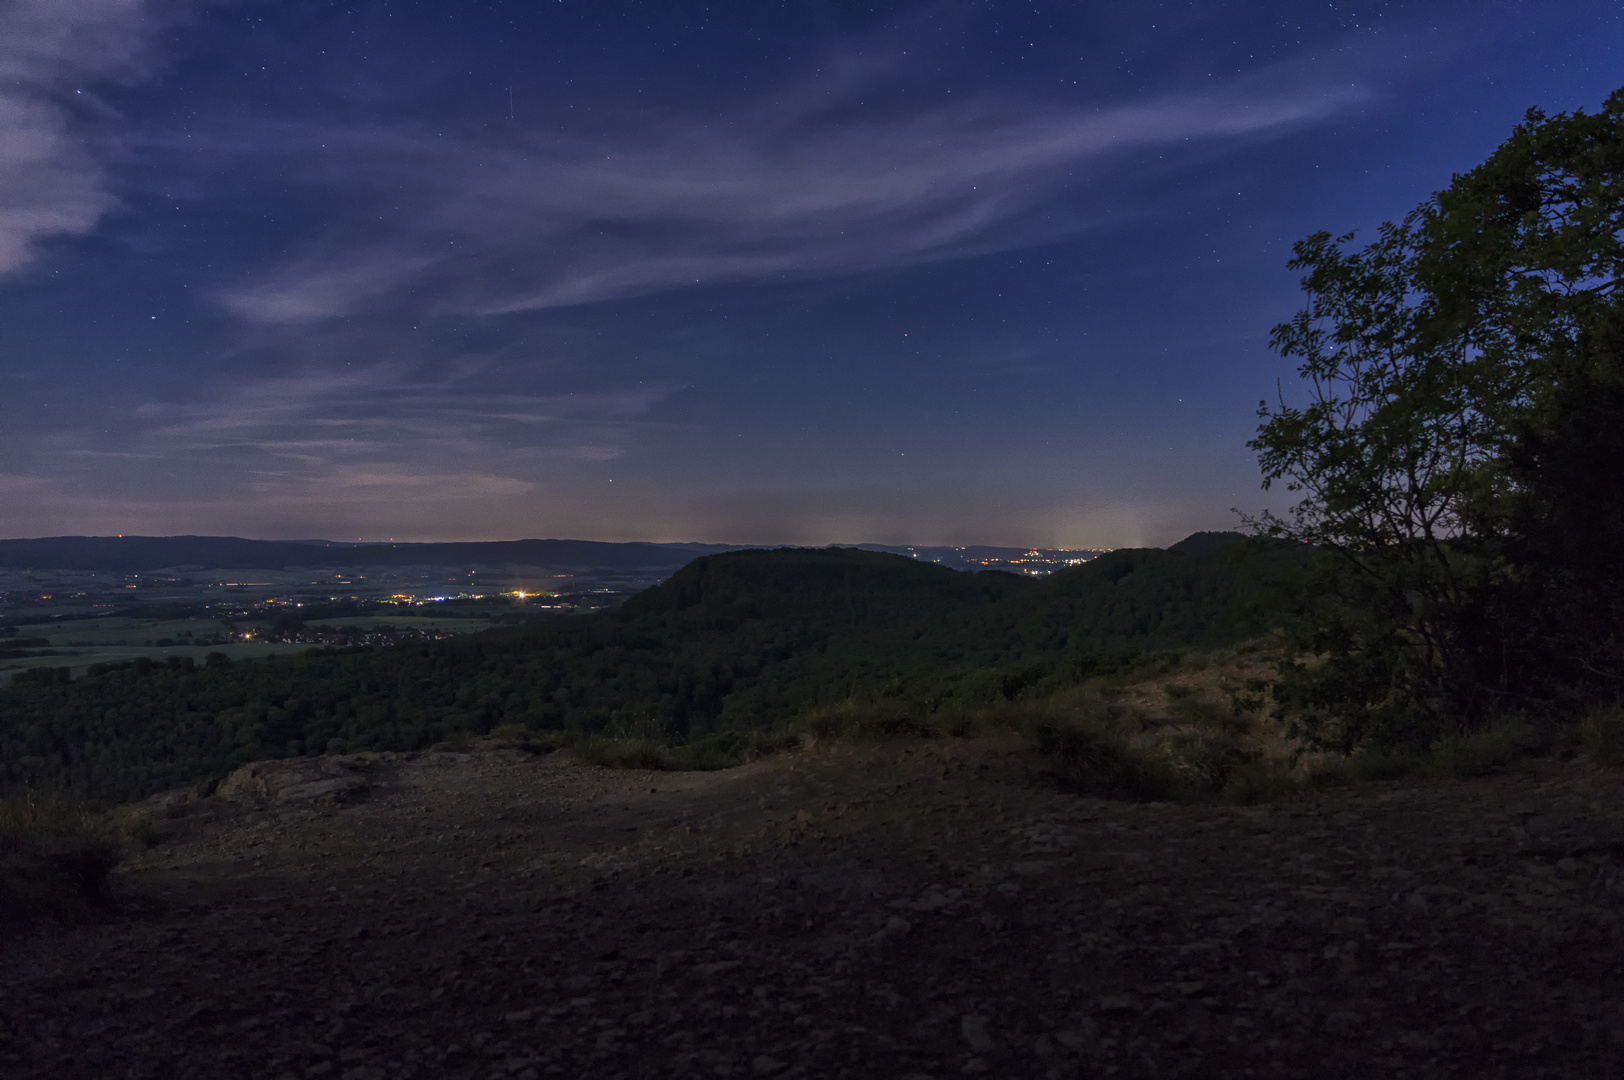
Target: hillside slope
[740,641]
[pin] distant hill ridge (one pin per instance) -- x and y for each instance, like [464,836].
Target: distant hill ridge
[139,554]
[143,554]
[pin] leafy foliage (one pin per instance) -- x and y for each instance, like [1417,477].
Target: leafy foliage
[1458,452]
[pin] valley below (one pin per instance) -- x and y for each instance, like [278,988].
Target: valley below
[911,908]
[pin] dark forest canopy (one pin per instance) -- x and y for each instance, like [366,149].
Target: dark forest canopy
[740,641]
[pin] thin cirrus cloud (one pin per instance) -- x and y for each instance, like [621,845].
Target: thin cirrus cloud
[376,447]
[52,182]
[355,442]
[380,427]
[539,223]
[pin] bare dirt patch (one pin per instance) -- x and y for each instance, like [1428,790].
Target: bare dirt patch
[926,908]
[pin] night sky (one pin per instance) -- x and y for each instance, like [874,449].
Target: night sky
[746,272]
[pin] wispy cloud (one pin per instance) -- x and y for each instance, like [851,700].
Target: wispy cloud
[391,441]
[52,55]
[796,189]
[394,432]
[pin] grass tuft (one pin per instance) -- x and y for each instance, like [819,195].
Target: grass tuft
[55,857]
[623,753]
[1482,753]
[1261,782]
[1098,757]
[1601,733]
[721,750]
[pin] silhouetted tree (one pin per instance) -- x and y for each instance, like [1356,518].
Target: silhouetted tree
[1459,455]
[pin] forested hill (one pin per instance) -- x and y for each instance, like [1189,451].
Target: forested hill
[744,640]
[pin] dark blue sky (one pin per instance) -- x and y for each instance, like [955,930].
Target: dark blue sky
[748,272]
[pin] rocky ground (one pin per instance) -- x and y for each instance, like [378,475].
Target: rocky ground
[913,909]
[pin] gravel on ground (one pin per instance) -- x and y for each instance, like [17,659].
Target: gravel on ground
[907,909]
